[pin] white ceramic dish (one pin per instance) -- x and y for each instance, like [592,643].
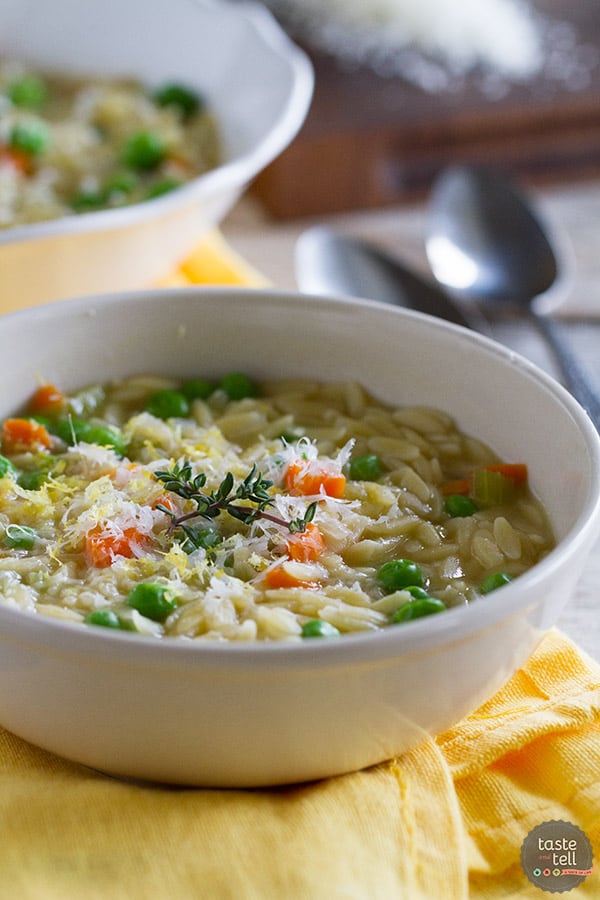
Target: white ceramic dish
[257,82]
[256,715]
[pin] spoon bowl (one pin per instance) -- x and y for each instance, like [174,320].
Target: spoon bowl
[330,262]
[486,243]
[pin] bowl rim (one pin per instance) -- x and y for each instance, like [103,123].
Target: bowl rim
[234,173]
[457,624]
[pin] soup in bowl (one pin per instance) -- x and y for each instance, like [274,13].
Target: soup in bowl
[251,537]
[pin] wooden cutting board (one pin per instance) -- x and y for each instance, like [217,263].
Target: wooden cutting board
[371,141]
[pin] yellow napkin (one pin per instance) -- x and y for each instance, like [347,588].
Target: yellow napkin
[445,821]
[214,261]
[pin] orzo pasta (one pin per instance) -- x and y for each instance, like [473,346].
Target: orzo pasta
[242,511]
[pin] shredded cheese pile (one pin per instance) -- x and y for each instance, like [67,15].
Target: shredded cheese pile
[501,35]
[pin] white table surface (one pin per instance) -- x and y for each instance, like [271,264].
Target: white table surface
[269,246]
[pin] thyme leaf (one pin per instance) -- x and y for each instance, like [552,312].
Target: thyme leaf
[254,489]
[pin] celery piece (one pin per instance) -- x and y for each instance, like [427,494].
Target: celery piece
[492,488]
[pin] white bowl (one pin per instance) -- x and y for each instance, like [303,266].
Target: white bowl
[233,715]
[257,82]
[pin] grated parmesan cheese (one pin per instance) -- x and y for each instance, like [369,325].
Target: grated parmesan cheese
[500,34]
[438,44]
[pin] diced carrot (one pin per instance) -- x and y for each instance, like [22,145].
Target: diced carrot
[22,435]
[308,477]
[165,500]
[461,486]
[16,159]
[47,399]
[307,545]
[102,546]
[516,471]
[286,575]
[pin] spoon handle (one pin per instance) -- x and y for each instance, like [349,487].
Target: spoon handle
[576,378]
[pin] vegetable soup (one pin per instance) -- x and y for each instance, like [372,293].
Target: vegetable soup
[233,510]
[78,145]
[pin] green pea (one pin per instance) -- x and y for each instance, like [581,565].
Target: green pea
[164,186]
[366,467]
[120,185]
[492,582]
[72,430]
[416,609]
[168,404]
[237,386]
[317,628]
[32,481]
[181,97]
[106,618]
[105,436]
[116,190]
[417,593]
[144,150]
[43,420]
[88,201]
[28,91]
[20,537]
[154,601]
[398,574]
[457,506]
[82,430]
[6,466]
[29,137]
[197,389]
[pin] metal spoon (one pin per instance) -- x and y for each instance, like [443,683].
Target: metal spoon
[485,242]
[329,262]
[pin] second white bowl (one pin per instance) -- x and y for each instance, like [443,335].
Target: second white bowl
[258,84]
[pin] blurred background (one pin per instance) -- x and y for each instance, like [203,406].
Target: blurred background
[404,87]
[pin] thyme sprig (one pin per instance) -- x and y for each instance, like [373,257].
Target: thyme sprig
[253,489]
